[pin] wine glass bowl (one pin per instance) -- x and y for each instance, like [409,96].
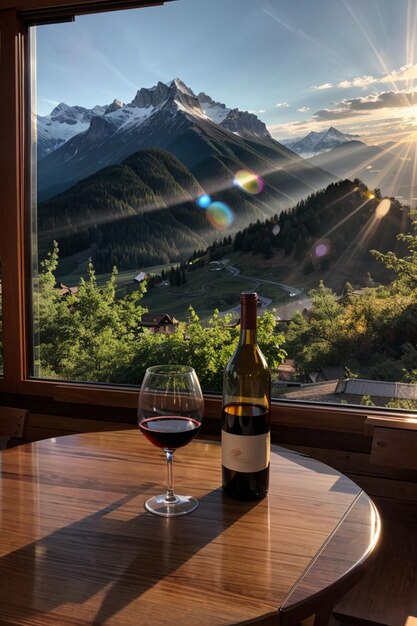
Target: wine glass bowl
[170,413]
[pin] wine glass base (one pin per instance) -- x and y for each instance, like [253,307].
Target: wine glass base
[181,506]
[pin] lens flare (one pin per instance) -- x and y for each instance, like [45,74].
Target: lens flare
[204,201]
[220,215]
[276,229]
[249,182]
[383,208]
[322,248]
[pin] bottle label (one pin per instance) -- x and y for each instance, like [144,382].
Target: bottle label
[245,453]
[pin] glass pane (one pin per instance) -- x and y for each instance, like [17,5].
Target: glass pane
[188,152]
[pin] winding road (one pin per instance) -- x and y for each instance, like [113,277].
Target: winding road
[286,311]
[299,301]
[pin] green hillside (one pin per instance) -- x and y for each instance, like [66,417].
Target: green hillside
[328,236]
[142,212]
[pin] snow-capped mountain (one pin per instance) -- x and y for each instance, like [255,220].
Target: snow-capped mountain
[315,143]
[239,122]
[65,121]
[76,136]
[61,124]
[195,129]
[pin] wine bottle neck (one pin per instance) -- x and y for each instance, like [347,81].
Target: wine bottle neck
[247,336]
[248,314]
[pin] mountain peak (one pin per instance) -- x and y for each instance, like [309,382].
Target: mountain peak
[62,106]
[114,106]
[65,114]
[156,95]
[316,142]
[181,86]
[334,132]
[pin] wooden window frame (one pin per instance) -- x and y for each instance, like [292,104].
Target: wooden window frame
[15,17]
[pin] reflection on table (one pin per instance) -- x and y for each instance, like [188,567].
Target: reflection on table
[77,546]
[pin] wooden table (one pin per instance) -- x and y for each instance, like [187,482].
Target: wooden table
[77,546]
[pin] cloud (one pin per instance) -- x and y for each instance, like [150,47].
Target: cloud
[332,114]
[303,109]
[282,105]
[360,81]
[373,127]
[322,86]
[404,73]
[383,100]
[344,84]
[358,106]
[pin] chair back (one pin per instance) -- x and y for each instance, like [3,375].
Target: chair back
[12,424]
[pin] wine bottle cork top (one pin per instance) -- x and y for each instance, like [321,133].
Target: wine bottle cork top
[248,296]
[248,301]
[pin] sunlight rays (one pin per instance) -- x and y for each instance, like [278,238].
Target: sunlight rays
[344,220]
[359,242]
[399,170]
[407,145]
[411,37]
[373,47]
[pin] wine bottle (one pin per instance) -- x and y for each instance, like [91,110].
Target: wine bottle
[245,414]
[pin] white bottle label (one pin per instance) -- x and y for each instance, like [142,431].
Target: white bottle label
[245,453]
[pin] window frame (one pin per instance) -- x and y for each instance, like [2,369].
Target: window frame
[15,18]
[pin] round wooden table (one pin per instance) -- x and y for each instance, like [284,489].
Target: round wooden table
[77,546]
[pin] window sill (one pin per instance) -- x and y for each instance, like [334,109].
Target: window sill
[284,413]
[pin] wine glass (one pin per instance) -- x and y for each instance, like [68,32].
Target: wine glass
[170,412]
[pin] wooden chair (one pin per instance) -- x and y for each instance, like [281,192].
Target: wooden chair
[12,424]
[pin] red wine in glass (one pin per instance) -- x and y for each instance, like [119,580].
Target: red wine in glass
[170,412]
[170,431]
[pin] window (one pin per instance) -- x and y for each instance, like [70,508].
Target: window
[222,149]
[1,325]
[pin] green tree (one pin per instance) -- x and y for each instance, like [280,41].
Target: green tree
[93,335]
[315,340]
[405,268]
[206,347]
[367,401]
[88,336]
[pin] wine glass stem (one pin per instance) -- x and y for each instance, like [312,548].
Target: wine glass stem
[170,495]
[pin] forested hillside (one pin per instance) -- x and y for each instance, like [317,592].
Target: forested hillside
[328,235]
[137,213]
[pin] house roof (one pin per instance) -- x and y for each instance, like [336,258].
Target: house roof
[64,290]
[378,389]
[150,319]
[352,391]
[316,392]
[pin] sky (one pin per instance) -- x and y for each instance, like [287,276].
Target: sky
[299,65]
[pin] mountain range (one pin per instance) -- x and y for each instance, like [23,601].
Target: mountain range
[318,142]
[64,121]
[210,139]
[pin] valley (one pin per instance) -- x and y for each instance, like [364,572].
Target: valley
[150,185]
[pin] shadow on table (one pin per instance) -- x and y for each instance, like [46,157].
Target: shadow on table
[127,554]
